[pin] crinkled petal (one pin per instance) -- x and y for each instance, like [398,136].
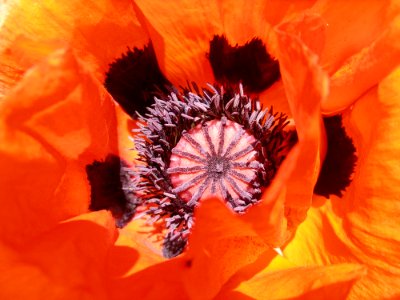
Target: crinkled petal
[267,218]
[275,11]
[372,205]
[352,25]
[99,30]
[220,244]
[311,29]
[306,85]
[64,263]
[362,226]
[181,32]
[330,282]
[364,70]
[55,122]
[320,240]
[244,20]
[284,205]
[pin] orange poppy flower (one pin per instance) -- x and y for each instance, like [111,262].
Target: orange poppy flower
[56,118]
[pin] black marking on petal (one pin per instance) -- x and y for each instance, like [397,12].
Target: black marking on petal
[110,183]
[339,162]
[135,78]
[249,64]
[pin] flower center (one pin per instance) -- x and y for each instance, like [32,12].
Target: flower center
[218,166]
[215,158]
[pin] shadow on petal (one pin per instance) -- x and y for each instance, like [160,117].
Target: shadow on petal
[66,262]
[160,281]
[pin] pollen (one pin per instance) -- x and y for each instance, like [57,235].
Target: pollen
[216,158]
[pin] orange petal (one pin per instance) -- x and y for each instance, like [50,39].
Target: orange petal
[362,226]
[364,70]
[66,262]
[267,217]
[275,96]
[277,10]
[306,85]
[243,20]
[372,205]
[180,32]
[352,25]
[220,245]
[331,282]
[311,29]
[161,281]
[99,30]
[136,249]
[57,120]
[320,239]
[136,268]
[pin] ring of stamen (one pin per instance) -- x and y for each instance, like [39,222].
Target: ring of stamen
[199,143]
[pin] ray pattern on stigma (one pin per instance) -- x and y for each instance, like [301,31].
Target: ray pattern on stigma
[216,158]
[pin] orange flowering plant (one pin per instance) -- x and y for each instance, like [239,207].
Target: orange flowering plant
[64,67]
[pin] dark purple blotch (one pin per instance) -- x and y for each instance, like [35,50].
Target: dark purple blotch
[109,189]
[340,160]
[135,78]
[249,64]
